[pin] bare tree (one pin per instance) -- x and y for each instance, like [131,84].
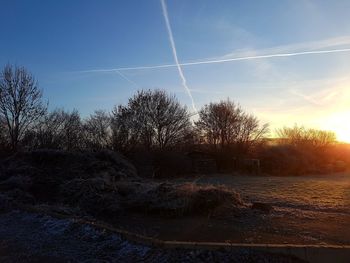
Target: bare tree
[48,133]
[57,130]
[151,119]
[2,133]
[251,133]
[302,137]
[72,130]
[20,102]
[219,122]
[97,129]
[125,129]
[226,125]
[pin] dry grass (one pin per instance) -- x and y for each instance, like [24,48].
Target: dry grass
[185,199]
[106,184]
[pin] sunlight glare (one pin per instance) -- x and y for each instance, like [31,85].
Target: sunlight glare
[339,123]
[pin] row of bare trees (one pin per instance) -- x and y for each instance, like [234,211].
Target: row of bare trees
[26,122]
[299,151]
[150,120]
[299,136]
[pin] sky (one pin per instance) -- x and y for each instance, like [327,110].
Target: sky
[287,62]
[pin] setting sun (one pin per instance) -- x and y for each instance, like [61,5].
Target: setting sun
[340,124]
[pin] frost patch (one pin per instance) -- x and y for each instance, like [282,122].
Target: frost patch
[55,226]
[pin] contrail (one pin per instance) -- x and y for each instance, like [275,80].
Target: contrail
[305,97]
[214,61]
[267,56]
[126,78]
[172,43]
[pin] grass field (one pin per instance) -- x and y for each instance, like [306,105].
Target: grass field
[326,193]
[307,210]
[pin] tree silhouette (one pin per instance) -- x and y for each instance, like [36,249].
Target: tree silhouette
[225,125]
[152,119]
[20,102]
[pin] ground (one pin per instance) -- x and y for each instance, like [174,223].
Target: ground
[307,210]
[104,186]
[29,237]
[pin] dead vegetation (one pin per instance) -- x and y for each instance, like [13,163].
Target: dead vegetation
[103,184]
[185,199]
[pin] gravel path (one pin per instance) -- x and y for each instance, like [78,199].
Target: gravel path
[28,237]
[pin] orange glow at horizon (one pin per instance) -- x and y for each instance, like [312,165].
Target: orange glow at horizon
[327,109]
[339,123]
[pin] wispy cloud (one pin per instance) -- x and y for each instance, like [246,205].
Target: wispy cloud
[315,96]
[173,47]
[327,97]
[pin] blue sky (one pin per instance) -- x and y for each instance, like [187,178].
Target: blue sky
[71,47]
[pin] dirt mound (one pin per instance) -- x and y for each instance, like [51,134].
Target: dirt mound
[42,173]
[103,184]
[11,199]
[266,208]
[185,199]
[6,203]
[70,164]
[92,195]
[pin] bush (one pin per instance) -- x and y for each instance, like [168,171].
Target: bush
[293,160]
[286,160]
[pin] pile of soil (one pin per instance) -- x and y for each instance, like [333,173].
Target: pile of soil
[184,199]
[102,184]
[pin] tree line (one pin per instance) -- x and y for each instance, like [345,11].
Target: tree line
[151,120]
